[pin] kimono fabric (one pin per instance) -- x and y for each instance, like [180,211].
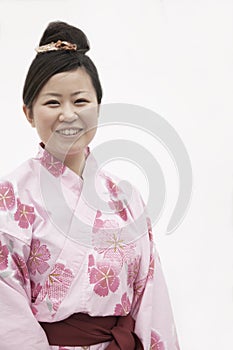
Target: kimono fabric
[72,245]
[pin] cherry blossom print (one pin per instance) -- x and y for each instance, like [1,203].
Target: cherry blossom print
[38,258]
[108,240]
[139,286]
[35,290]
[98,223]
[151,268]
[124,308]
[21,268]
[24,215]
[91,262]
[4,252]
[57,284]
[7,196]
[119,208]
[133,269]
[104,277]
[156,342]
[112,187]
[52,164]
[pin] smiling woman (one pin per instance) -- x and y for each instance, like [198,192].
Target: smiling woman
[65,114]
[77,271]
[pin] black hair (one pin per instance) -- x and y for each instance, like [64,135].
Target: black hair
[46,64]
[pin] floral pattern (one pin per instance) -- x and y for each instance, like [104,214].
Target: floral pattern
[139,286]
[38,256]
[98,223]
[21,268]
[24,215]
[52,164]
[117,281]
[119,208]
[151,268]
[112,187]
[4,252]
[103,276]
[57,285]
[124,308]
[7,196]
[35,290]
[133,269]
[156,342]
[108,241]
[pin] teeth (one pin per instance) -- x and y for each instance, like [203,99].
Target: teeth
[68,131]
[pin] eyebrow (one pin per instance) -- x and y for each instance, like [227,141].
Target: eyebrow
[59,95]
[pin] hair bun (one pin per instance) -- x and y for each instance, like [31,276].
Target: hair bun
[63,31]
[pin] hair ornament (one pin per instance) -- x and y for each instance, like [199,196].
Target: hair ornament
[59,45]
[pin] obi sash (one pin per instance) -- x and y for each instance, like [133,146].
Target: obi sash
[83,330]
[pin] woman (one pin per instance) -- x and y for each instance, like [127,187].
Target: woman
[78,268]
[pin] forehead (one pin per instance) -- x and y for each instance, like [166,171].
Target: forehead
[66,82]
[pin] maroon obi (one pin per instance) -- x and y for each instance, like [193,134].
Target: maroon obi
[84,330]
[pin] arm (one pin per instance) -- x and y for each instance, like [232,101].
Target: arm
[18,326]
[151,308]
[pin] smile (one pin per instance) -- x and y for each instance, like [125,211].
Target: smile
[68,132]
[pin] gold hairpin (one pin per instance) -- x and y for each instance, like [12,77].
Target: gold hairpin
[59,45]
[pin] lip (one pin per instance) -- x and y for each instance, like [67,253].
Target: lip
[79,131]
[70,128]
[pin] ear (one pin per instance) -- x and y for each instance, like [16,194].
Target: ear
[28,113]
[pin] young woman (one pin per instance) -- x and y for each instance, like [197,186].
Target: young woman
[78,267]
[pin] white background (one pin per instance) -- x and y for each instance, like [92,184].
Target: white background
[175,58]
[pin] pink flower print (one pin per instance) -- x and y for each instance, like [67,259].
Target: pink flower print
[24,214]
[38,256]
[112,187]
[133,269]
[124,308]
[98,223]
[139,286]
[4,252]
[35,290]
[7,196]
[104,277]
[57,284]
[108,241]
[21,268]
[119,208]
[151,268]
[52,164]
[156,342]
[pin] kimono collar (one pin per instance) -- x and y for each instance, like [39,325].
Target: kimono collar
[59,170]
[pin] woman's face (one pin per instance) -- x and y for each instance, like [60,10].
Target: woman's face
[65,113]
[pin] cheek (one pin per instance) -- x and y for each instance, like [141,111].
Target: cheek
[90,118]
[43,119]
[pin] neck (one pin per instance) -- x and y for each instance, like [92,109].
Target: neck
[76,163]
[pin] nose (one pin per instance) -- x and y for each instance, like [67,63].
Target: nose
[68,115]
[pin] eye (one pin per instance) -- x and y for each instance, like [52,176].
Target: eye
[52,102]
[80,100]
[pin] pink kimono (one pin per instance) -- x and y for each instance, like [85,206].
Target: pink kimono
[73,244]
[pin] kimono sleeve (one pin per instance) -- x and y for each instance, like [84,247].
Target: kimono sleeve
[19,328]
[151,307]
